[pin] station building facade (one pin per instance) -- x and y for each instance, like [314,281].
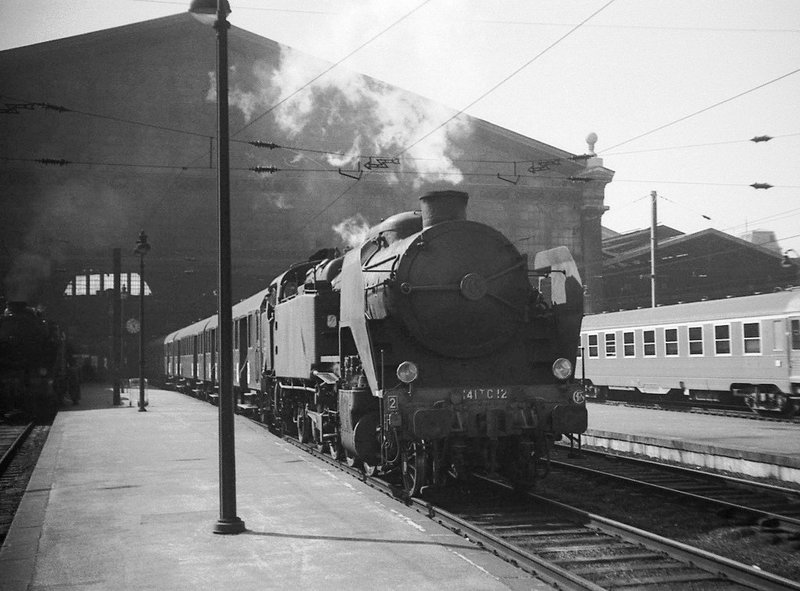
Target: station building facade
[106,134]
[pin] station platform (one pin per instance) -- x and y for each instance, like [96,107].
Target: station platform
[122,499]
[760,449]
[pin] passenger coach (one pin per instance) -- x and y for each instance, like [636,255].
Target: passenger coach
[744,349]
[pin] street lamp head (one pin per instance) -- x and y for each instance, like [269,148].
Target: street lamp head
[142,247]
[206,10]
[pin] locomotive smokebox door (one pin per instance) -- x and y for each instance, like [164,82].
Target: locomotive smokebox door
[462,289]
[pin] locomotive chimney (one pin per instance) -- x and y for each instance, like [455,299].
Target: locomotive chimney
[443,206]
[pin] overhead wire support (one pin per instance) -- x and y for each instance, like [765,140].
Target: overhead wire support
[13,108]
[378,162]
[517,176]
[761,138]
[264,169]
[262,144]
[356,174]
[49,107]
[762,186]
[540,165]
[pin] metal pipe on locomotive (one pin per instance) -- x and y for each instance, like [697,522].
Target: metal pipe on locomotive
[427,350]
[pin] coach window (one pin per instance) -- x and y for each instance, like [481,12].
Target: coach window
[722,339]
[795,335]
[594,350]
[695,340]
[611,344]
[649,337]
[671,342]
[752,338]
[628,347]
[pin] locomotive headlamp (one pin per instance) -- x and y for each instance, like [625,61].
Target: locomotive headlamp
[407,372]
[562,368]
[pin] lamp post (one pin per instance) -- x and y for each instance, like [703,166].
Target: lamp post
[228,522]
[116,332]
[122,329]
[142,248]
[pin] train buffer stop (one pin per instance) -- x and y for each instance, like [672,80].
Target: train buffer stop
[127,500]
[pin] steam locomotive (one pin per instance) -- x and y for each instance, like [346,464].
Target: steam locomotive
[33,371]
[430,351]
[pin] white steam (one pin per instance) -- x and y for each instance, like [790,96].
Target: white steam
[352,116]
[366,118]
[353,231]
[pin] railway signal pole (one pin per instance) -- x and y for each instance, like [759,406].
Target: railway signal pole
[653,246]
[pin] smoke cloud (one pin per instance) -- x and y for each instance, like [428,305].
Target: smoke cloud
[366,117]
[27,273]
[353,230]
[352,116]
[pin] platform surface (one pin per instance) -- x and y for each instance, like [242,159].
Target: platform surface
[122,499]
[765,450]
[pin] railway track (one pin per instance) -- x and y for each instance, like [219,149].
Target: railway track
[11,439]
[20,446]
[569,547]
[580,550]
[778,507]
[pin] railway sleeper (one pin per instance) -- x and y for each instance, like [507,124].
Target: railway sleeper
[697,576]
[615,558]
[646,564]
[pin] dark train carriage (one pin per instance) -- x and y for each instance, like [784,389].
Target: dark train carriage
[185,352]
[31,357]
[248,350]
[743,350]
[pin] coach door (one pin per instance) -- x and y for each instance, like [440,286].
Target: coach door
[794,345]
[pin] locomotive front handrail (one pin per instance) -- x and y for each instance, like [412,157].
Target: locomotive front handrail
[406,288]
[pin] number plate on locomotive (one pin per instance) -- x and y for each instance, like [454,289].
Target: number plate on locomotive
[483,393]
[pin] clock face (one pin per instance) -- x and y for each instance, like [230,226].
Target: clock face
[132,326]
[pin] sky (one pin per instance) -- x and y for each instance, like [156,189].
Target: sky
[674,89]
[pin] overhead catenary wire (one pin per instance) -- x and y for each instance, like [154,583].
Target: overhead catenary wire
[509,76]
[703,110]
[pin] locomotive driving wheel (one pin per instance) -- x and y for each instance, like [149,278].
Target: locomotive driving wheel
[351,460]
[414,465]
